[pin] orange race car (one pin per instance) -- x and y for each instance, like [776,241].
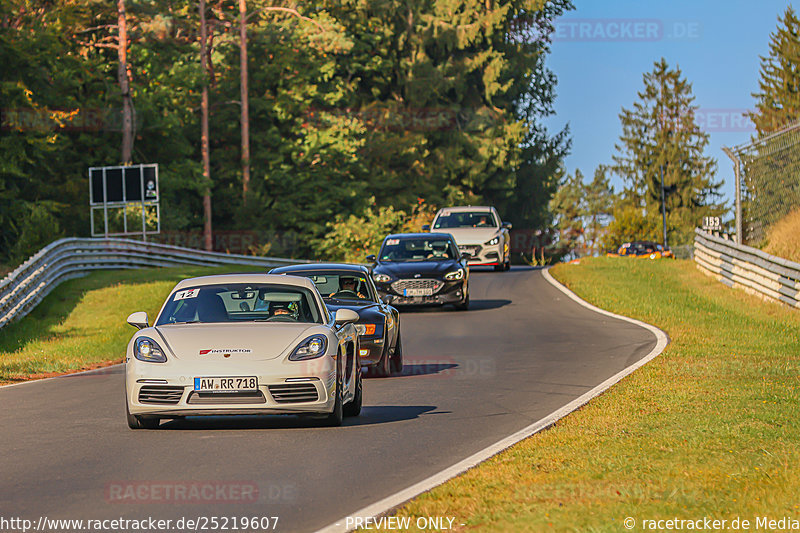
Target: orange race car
[642,250]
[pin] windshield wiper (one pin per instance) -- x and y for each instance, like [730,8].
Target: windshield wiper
[184,322]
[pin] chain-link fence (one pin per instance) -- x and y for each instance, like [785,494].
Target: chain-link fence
[769,171]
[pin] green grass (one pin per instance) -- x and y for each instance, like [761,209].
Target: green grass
[81,324]
[709,428]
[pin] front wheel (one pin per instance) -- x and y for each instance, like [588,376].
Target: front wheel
[138,422]
[463,306]
[397,358]
[382,368]
[353,407]
[335,417]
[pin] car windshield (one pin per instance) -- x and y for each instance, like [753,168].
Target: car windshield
[240,302]
[465,219]
[340,285]
[418,249]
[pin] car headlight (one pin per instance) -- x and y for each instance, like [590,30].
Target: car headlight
[365,329]
[452,276]
[381,278]
[492,242]
[147,350]
[311,348]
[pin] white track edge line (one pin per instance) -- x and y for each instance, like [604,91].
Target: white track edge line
[390,502]
[99,370]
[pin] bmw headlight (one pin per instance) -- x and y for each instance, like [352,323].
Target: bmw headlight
[311,348]
[147,350]
[381,278]
[493,242]
[457,274]
[365,329]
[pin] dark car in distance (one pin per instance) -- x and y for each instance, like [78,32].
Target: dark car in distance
[421,269]
[345,286]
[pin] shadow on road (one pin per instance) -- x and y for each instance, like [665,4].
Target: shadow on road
[370,415]
[474,305]
[383,414]
[426,369]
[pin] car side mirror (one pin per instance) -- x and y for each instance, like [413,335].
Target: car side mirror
[371,258]
[345,316]
[426,227]
[466,255]
[507,225]
[138,320]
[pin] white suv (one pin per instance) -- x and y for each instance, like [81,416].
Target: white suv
[479,232]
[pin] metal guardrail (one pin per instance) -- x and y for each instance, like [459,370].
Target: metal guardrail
[25,287]
[748,268]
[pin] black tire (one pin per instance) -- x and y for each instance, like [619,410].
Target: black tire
[397,358]
[382,368]
[353,407]
[334,419]
[463,306]
[499,267]
[507,266]
[138,422]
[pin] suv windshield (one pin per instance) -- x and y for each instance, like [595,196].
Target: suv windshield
[240,302]
[466,219]
[418,249]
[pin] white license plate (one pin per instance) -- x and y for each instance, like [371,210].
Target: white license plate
[417,292]
[226,384]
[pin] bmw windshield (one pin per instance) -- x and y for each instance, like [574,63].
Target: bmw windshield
[418,249]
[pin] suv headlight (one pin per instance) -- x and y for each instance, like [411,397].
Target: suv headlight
[494,241]
[452,276]
[311,348]
[147,350]
[381,278]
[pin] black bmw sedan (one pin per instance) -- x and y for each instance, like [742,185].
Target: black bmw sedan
[421,269]
[350,287]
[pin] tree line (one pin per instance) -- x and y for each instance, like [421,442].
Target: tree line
[661,140]
[275,115]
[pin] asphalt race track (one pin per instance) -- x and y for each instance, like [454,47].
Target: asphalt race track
[472,378]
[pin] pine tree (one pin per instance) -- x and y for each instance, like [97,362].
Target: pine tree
[599,200]
[778,99]
[569,209]
[660,135]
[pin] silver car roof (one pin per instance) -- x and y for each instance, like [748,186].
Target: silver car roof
[466,208]
[221,279]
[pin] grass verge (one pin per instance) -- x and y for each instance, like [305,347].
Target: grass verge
[710,428]
[81,324]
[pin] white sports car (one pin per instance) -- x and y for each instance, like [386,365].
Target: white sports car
[243,344]
[479,232]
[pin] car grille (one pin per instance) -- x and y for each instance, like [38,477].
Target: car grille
[474,251]
[160,394]
[294,393]
[405,284]
[225,398]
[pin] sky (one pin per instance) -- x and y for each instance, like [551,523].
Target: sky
[716,43]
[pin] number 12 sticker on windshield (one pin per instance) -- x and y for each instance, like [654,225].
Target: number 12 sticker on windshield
[190,293]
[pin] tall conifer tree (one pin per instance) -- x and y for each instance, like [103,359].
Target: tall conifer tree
[660,134]
[778,99]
